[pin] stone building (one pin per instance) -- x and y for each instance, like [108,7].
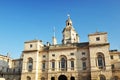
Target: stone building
[70,60]
[10,69]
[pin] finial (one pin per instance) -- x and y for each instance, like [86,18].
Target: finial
[54,31]
[68,16]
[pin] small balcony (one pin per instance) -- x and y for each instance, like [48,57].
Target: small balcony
[101,67]
[63,69]
[84,68]
[72,68]
[53,69]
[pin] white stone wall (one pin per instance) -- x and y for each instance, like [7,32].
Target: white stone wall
[79,57]
[32,45]
[102,36]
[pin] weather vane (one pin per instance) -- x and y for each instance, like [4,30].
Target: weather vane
[68,15]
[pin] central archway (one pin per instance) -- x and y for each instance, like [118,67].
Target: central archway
[62,77]
[72,78]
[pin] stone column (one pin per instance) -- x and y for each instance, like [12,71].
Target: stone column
[76,77]
[68,77]
[56,77]
[57,65]
[68,65]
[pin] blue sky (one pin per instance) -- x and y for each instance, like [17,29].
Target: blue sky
[23,20]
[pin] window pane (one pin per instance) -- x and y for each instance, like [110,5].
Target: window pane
[97,38]
[53,64]
[72,64]
[43,66]
[30,64]
[101,62]
[84,65]
[63,63]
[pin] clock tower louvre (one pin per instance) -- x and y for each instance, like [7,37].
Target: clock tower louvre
[69,33]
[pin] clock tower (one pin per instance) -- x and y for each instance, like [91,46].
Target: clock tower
[69,33]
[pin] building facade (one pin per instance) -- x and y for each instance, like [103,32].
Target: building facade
[71,60]
[10,69]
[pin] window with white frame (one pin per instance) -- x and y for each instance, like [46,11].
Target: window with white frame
[72,65]
[30,64]
[84,65]
[53,65]
[63,63]
[101,61]
[43,66]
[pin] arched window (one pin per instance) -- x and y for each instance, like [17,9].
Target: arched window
[43,65]
[63,63]
[72,63]
[84,65]
[28,78]
[102,77]
[72,78]
[101,61]
[53,65]
[30,64]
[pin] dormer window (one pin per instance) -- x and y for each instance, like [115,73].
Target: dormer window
[97,38]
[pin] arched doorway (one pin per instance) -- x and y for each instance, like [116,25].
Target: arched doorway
[28,78]
[52,78]
[102,77]
[62,77]
[72,78]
